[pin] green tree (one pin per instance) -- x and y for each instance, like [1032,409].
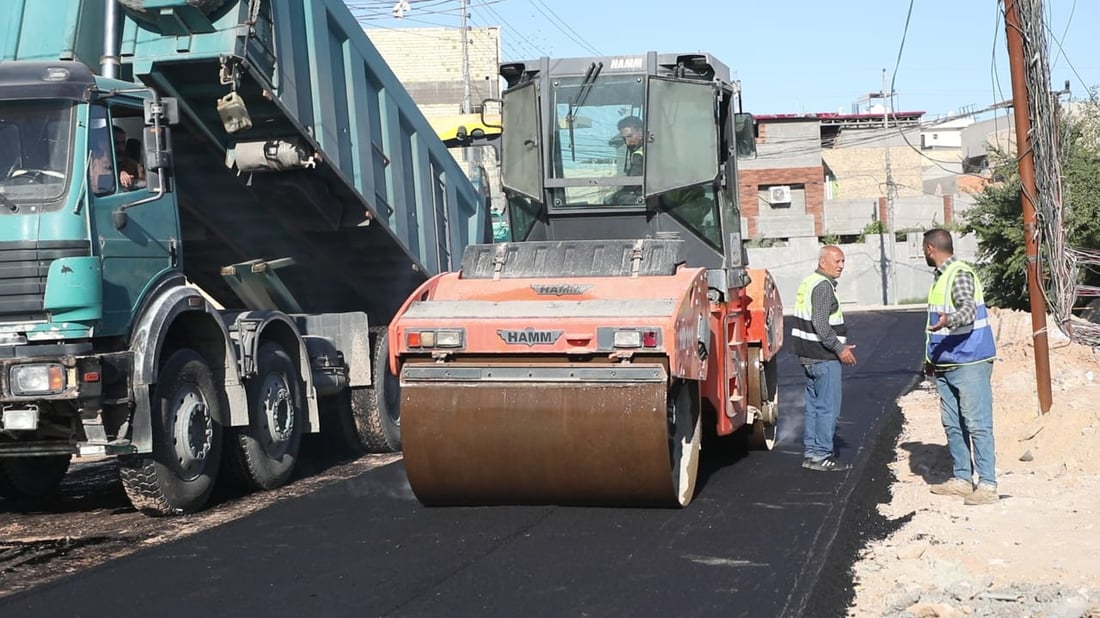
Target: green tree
[873,228]
[997,221]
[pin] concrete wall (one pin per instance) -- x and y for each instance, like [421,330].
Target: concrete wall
[866,277]
[786,144]
[860,170]
[846,217]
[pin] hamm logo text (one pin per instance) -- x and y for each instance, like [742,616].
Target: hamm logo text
[529,336]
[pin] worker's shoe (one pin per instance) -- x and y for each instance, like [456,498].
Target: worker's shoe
[984,494]
[829,464]
[953,487]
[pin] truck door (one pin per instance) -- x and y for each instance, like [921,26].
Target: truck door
[147,247]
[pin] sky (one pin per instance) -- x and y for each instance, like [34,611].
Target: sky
[792,56]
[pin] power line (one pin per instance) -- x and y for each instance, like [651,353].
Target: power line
[524,40]
[558,22]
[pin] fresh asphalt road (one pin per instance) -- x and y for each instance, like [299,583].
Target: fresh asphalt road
[759,537]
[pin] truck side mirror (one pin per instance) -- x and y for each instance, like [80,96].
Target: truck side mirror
[158,148]
[162,110]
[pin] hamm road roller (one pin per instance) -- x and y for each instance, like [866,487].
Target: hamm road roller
[582,361]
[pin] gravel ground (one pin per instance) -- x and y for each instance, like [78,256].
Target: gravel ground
[1033,553]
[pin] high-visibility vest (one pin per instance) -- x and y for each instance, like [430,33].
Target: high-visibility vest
[964,345]
[634,161]
[807,343]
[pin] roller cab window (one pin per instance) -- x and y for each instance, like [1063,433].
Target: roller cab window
[598,148]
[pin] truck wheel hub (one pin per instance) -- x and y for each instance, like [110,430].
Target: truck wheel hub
[193,433]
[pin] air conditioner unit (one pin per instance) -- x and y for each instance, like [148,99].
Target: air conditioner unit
[780,194]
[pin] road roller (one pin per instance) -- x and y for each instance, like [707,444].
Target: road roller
[584,360]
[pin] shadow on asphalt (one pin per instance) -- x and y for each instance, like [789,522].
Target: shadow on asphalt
[95,485]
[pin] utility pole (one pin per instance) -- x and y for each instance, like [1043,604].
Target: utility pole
[466,107]
[890,191]
[1026,156]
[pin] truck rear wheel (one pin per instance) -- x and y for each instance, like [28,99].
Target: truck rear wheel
[31,477]
[339,433]
[377,408]
[178,476]
[263,455]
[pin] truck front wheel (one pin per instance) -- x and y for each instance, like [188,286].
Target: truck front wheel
[31,477]
[178,476]
[263,455]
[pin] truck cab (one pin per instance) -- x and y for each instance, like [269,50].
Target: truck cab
[70,271]
[209,212]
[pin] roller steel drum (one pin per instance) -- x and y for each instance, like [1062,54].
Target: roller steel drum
[546,435]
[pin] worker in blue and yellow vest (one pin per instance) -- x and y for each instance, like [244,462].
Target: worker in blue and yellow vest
[959,354]
[821,344]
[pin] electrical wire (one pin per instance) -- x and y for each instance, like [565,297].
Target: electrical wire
[1059,265]
[563,26]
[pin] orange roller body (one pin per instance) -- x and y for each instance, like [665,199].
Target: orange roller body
[556,394]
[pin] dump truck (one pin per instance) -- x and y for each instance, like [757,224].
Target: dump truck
[584,360]
[209,212]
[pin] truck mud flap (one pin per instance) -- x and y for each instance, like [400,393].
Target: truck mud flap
[486,439]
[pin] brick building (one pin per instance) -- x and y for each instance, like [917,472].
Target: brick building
[821,175]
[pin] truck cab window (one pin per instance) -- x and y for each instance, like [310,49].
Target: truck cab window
[34,149]
[101,160]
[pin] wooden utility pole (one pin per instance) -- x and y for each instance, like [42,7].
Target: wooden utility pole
[1026,156]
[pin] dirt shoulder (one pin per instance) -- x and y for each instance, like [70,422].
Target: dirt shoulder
[90,521]
[1034,553]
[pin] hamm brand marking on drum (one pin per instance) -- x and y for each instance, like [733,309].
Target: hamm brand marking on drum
[529,336]
[560,289]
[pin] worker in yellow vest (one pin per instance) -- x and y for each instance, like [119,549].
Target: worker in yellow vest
[959,353]
[633,135]
[821,344]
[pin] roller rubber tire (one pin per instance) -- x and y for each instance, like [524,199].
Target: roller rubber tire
[763,390]
[685,435]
